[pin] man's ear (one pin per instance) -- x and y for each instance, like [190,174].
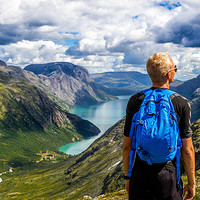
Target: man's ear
[167,75]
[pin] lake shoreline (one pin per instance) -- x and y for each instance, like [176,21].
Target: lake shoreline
[103,115]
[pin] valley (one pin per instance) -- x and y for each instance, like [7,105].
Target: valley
[35,121]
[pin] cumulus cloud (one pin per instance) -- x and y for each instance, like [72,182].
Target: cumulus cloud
[26,52]
[181,32]
[106,35]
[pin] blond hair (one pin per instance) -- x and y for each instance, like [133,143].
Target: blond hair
[158,66]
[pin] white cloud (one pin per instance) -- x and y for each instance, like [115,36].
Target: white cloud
[111,34]
[29,52]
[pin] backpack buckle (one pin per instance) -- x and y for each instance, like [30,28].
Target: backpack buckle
[139,122]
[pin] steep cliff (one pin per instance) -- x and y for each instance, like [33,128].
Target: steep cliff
[69,82]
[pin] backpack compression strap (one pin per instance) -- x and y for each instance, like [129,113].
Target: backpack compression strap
[132,152]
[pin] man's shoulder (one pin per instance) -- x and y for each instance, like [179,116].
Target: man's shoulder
[179,98]
[138,96]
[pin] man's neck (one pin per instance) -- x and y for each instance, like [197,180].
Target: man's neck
[161,85]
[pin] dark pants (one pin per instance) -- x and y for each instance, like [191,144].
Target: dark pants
[156,182]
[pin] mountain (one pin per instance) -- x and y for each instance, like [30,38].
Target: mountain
[122,79]
[69,82]
[98,170]
[124,83]
[188,87]
[191,90]
[121,83]
[195,105]
[30,77]
[31,122]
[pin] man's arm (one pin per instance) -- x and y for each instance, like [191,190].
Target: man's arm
[126,150]
[188,157]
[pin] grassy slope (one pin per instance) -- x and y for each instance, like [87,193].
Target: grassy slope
[50,182]
[91,173]
[21,115]
[96,171]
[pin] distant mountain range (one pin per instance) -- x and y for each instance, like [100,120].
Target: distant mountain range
[124,83]
[69,82]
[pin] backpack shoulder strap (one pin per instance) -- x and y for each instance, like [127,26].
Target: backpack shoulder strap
[147,91]
[169,92]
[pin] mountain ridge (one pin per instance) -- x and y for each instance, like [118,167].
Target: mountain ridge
[124,83]
[69,82]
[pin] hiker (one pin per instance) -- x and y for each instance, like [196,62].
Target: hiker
[152,179]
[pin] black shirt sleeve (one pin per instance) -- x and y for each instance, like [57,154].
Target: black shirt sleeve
[132,107]
[183,112]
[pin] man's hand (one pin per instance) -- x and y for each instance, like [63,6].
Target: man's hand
[189,190]
[127,185]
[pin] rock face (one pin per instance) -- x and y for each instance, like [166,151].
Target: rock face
[69,82]
[18,73]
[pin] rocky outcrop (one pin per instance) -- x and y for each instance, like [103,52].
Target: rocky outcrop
[69,82]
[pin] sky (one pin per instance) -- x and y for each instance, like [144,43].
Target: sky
[101,35]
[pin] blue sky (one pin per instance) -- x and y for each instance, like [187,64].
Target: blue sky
[102,35]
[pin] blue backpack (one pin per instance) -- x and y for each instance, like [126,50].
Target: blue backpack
[154,130]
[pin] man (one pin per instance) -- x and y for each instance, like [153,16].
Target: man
[158,181]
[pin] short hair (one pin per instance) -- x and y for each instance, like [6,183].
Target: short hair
[158,66]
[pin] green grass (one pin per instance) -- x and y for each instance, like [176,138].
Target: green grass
[25,146]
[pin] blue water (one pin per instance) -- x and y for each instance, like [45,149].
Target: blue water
[103,115]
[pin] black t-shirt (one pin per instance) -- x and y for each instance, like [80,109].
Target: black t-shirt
[181,107]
